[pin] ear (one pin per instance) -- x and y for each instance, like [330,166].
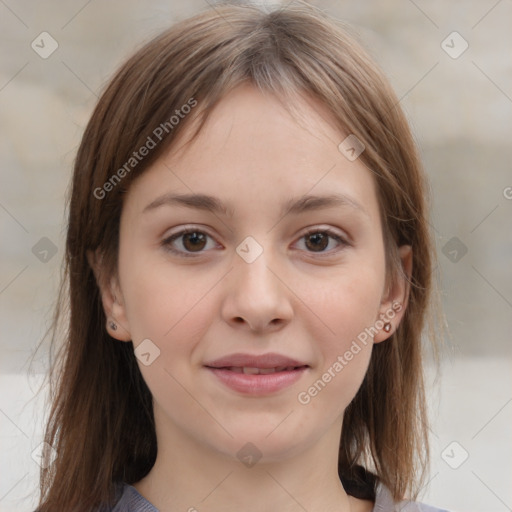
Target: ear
[111,298]
[396,297]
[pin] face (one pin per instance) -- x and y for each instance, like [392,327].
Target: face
[250,326]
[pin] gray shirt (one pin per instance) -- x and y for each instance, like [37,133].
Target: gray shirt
[132,501]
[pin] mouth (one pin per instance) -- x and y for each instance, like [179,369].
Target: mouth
[257,375]
[268,361]
[248,370]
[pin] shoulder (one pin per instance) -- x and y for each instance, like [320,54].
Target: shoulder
[131,501]
[384,503]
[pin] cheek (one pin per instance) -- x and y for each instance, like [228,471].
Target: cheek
[349,307]
[347,304]
[162,304]
[174,310]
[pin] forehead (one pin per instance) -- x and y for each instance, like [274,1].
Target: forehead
[252,151]
[260,120]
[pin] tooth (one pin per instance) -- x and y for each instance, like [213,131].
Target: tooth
[264,371]
[280,368]
[251,371]
[290,368]
[236,369]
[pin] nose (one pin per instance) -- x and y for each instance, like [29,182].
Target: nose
[257,297]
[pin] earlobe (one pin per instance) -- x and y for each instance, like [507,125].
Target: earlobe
[117,324]
[111,298]
[394,303]
[117,330]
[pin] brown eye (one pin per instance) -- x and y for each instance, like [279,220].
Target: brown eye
[189,242]
[194,241]
[317,241]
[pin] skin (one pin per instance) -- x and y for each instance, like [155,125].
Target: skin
[304,303]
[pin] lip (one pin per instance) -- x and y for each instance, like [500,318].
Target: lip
[229,370]
[268,360]
[258,384]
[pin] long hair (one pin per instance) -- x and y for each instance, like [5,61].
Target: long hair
[101,419]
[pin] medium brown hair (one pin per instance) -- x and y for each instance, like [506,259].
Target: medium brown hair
[101,420]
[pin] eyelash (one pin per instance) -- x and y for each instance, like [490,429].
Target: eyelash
[168,241]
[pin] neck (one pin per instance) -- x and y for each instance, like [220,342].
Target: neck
[191,476]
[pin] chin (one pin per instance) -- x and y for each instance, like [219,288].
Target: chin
[260,444]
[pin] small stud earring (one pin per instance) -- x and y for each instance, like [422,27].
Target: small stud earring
[112,325]
[387,327]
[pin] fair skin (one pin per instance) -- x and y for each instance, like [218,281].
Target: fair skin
[301,298]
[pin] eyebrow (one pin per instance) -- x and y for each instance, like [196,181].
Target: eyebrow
[294,206]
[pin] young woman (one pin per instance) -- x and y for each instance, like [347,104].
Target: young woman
[248,274]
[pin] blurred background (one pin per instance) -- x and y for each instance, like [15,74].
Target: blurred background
[451,66]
